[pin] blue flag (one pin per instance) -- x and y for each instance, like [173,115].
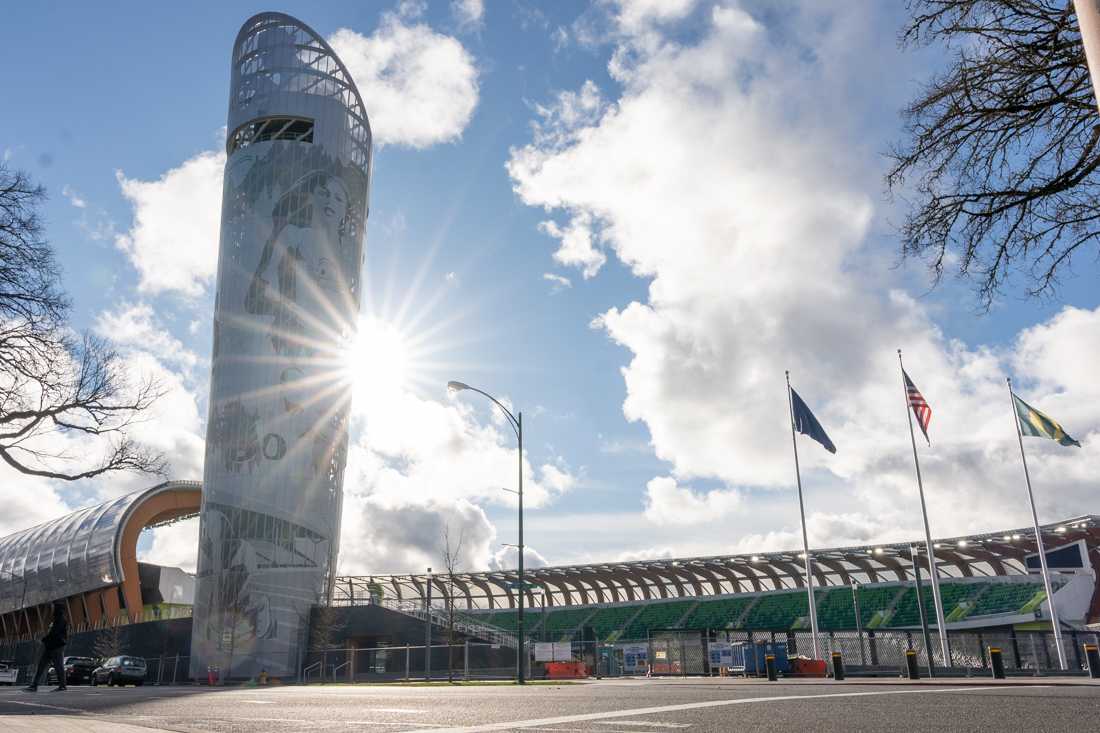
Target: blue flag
[807,424]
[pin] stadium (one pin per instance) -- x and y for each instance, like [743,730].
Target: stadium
[989,583]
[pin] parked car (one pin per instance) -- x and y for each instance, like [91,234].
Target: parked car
[78,671]
[120,671]
[9,673]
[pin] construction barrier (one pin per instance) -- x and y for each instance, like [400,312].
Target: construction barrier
[566,670]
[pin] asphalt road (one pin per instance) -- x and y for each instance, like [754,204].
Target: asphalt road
[619,706]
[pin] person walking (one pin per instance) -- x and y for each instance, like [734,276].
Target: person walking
[53,649]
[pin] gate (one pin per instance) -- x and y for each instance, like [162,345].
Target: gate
[678,652]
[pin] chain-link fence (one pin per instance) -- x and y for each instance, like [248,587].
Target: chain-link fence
[467,661]
[166,670]
[685,652]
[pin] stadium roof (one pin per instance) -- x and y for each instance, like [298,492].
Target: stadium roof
[85,551]
[976,555]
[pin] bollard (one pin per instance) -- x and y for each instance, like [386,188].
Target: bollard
[769,664]
[996,663]
[911,664]
[1092,658]
[838,667]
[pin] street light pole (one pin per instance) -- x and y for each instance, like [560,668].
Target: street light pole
[859,623]
[516,421]
[428,630]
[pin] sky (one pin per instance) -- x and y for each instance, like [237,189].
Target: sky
[624,218]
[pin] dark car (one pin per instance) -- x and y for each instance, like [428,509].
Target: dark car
[120,671]
[78,671]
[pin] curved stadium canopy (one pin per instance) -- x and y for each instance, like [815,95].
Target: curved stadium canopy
[88,550]
[979,555]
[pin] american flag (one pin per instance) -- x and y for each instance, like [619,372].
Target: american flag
[920,407]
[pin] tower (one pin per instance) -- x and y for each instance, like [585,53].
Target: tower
[294,206]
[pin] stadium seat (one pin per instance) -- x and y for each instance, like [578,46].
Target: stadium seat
[777,611]
[656,616]
[1005,598]
[721,613]
[562,623]
[610,620]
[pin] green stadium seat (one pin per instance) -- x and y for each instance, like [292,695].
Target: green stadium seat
[656,616]
[777,611]
[720,613]
[611,619]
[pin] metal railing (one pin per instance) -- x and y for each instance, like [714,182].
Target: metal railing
[454,662]
[462,623]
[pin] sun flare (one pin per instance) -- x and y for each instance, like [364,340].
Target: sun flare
[378,361]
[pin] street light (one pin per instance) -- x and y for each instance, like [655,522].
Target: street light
[516,421]
[859,624]
[428,630]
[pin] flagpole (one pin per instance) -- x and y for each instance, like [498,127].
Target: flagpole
[802,516]
[933,570]
[1038,534]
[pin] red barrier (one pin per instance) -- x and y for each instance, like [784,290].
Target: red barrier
[802,667]
[566,670]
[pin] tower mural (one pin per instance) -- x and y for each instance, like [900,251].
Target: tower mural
[294,206]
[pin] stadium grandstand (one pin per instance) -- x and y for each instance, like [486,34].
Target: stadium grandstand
[88,559]
[986,580]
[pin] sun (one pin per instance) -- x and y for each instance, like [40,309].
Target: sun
[378,361]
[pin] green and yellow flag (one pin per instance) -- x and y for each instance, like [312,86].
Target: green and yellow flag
[1037,425]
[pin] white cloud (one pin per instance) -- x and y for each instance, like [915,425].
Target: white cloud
[416,464]
[173,242]
[419,87]
[634,16]
[175,545]
[507,558]
[469,14]
[749,212]
[73,196]
[576,244]
[558,283]
[135,325]
[384,535]
[668,503]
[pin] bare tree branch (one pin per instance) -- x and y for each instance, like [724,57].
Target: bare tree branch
[1002,146]
[51,381]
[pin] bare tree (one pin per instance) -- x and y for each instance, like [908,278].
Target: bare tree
[52,382]
[1002,145]
[451,553]
[328,624]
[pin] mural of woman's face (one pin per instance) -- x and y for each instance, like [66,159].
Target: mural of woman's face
[331,201]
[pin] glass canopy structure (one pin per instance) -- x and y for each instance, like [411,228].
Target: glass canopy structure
[87,558]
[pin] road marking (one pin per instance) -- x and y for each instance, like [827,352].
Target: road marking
[507,725]
[387,722]
[44,705]
[578,730]
[645,723]
[413,711]
[258,702]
